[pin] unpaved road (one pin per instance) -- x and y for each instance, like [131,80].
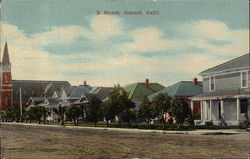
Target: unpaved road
[34,142]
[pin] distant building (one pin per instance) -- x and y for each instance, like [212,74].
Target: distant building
[226,93]
[75,95]
[10,89]
[137,91]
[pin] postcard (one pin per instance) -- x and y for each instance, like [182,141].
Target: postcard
[133,79]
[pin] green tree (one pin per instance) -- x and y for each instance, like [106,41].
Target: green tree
[128,115]
[12,114]
[60,111]
[36,113]
[118,101]
[161,104]
[146,111]
[73,113]
[94,110]
[108,112]
[181,111]
[44,114]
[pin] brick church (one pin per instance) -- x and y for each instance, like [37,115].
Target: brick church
[14,92]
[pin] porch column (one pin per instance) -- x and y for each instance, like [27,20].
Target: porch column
[238,109]
[222,108]
[201,106]
[210,111]
[192,106]
[205,110]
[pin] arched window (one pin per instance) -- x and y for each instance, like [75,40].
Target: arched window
[6,100]
[7,77]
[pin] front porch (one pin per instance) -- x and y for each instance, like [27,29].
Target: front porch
[224,110]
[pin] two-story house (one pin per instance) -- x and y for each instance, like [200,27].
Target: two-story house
[226,93]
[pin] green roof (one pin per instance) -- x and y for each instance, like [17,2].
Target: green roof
[140,90]
[181,89]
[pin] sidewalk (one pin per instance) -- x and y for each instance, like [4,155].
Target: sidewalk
[194,132]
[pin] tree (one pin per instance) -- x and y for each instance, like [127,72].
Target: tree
[161,105]
[36,113]
[181,111]
[94,110]
[118,101]
[73,113]
[146,111]
[60,111]
[108,112]
[12,114]
[127,115]
[44,114]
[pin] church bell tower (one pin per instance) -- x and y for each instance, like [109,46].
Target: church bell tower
[6,85]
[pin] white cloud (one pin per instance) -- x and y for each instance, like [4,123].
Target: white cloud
[104,26]
[148,39]
[31,61]
[61,35]
[200,32]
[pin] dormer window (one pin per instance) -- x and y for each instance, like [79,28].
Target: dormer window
[244,79]
[211,83]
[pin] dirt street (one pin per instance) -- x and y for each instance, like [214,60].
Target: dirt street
[34,142]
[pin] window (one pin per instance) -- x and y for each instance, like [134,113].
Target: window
[6,77]
[243,105]
[244,79]
[6,100]
[212,83]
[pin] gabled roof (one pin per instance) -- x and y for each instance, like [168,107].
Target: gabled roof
[181,89]
[31,88]
[240,63]
[37,100]
[69,90]
[140,90]
[100,92]
[79,91]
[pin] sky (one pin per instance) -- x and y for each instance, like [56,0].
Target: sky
[68,40]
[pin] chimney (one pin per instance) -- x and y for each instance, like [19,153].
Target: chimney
[146,82]
[195,80]
[84,83]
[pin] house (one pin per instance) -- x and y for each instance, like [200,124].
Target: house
[33,101]
[226,93]
[101,93]
[50,104]
[34,88]
[73,94]
[183,89]
[137,91]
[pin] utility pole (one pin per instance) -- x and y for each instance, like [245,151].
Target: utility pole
[21,104]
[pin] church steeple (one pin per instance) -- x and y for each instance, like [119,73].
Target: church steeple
[6,81]
[6,58]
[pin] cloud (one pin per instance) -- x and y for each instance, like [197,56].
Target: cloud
[202,33]
[104,26]
[17,37]
[107,63]
[61,35]
[148,40]
[101,27]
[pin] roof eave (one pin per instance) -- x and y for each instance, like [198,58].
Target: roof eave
[223,71]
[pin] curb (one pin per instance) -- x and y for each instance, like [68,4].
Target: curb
[195,132]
